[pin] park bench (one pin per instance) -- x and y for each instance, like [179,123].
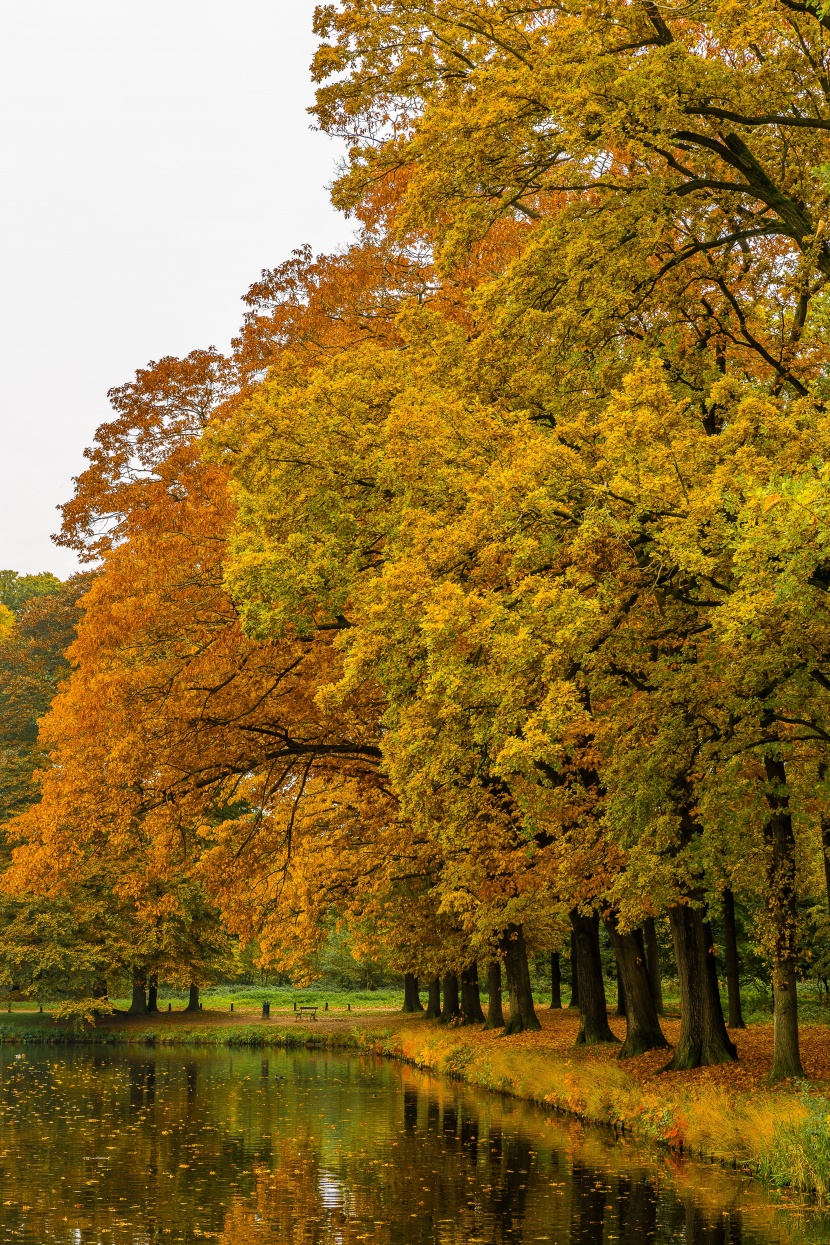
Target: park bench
[306,1010]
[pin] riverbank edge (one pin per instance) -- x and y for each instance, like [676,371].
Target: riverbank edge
[767,1133]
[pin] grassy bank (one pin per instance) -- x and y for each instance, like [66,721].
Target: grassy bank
[728,1115]
[698,1114]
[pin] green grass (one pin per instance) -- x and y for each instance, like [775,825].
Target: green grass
[757,1001]
[25,1014]
[798,1156]
[281,998]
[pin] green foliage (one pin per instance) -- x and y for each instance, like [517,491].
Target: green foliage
[16,589]
[340,965]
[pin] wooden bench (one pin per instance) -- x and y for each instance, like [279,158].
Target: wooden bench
[306,1010]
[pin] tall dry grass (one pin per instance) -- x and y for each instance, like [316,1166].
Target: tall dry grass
[785,1137]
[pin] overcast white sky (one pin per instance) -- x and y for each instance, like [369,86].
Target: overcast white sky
[156,155]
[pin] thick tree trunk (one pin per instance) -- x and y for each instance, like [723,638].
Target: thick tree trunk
[786,1059]
[411,999]
[193,999]
[653,962]
[153,996]
[495,1014]
[620,993]
[825,840]
[451,1009]
[593,1009]
[471,1013]
[434,999]
[138,1004]
[555,982]
[703,1038]
[642,1029]
[574,973]
[733,974]
[522,1014]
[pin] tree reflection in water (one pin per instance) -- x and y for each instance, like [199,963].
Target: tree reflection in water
[252,1149]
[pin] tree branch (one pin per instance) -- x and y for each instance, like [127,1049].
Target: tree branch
[664,35]
[809,9]
[805,123]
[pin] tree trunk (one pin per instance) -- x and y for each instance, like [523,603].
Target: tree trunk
[653,962]
[522,1015]
[411,999]
[574,973]
[555,982]
[703,1038]
[620,992]
[193,999]
[786,1059]
[153,996]
[593,1010]
[825,840]
[733,974]
[450,1010]
[434,999]
[495,1015]
[138,1004]
[471,1012]
[642,1027]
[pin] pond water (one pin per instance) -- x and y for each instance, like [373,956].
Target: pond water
[245,1147]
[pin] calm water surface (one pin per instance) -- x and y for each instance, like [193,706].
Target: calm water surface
[292,1148]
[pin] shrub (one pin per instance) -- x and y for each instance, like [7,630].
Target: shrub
[798,1156]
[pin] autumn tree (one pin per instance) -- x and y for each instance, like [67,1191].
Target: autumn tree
[644,157]
[174,730]
[48,948]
